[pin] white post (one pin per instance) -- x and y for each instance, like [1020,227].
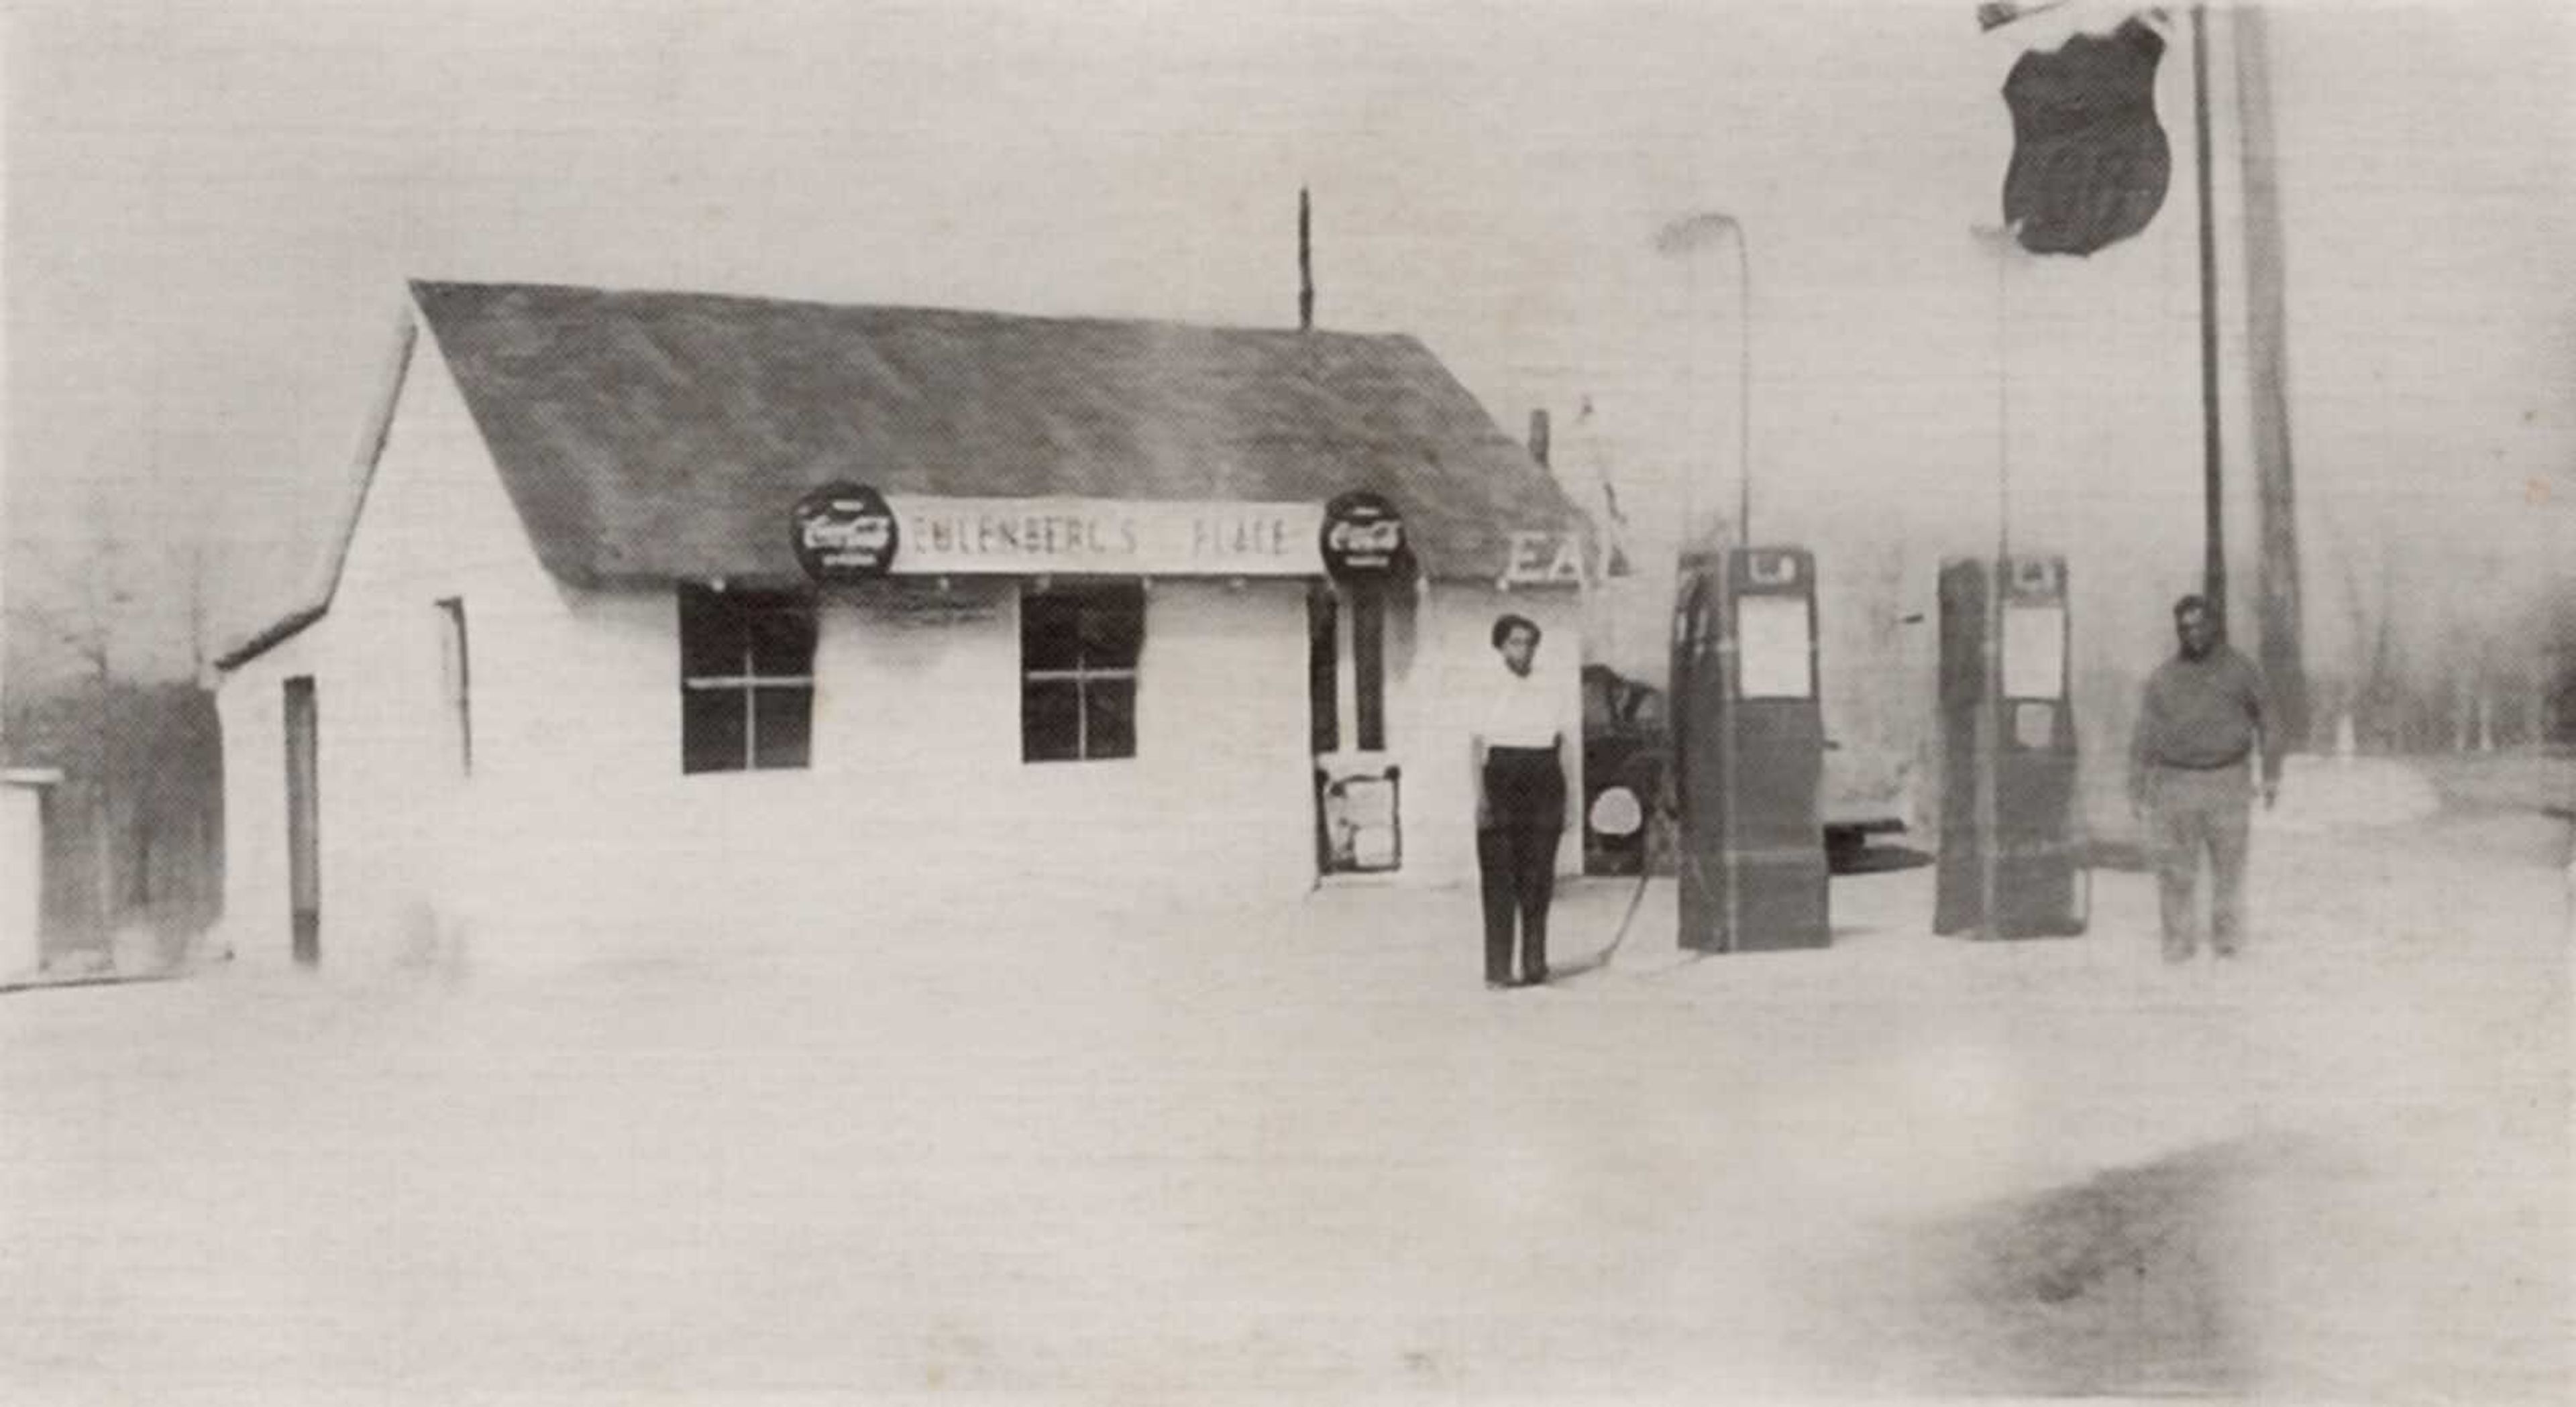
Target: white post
[22,808]
[22,869]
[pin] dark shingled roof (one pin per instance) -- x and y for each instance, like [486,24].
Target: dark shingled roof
[647,437]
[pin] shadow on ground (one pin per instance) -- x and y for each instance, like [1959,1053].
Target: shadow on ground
[2124,1284]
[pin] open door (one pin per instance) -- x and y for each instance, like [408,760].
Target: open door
[1358,814]
[1358,808]
[304,819]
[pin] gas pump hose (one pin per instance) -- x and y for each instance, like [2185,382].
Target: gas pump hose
[1659,814]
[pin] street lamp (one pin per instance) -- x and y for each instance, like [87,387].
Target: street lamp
[1683,236]
[2004,244]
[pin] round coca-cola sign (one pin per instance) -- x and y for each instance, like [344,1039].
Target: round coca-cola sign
[845,532]
[1363,538]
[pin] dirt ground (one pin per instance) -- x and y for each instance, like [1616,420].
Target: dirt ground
[1305,1155]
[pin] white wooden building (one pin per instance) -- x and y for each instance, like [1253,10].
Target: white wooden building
[563,690]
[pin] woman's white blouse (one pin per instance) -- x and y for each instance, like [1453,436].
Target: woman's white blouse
[1523,711]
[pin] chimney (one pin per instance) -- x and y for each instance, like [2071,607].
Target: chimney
[1305,264]
[1538,437]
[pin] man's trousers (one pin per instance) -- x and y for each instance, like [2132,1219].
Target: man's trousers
[2196,815]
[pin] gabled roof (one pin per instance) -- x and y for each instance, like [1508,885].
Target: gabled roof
[649,437]
[324,582]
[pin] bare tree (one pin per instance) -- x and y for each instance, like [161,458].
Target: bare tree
[2372,692]
[81,617]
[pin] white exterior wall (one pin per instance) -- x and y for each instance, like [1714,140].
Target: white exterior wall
[578,837]
[398,819]
[915,801]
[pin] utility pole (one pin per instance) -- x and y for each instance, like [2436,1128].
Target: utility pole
[2276,587]
[1305,263]
[2214,563]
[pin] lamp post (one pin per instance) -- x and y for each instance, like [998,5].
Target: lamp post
[1684,236]
[2004,245]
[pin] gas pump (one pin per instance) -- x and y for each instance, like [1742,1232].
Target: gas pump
[1748,751]
[2010,858]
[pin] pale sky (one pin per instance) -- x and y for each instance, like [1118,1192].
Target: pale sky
[211,209]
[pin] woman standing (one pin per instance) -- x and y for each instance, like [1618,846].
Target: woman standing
[1520,774]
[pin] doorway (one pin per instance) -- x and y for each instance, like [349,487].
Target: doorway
[304,819]
[1357,811]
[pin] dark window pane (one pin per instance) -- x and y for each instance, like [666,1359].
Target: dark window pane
[781,630]
[711,641]
[711,730]
[1368,667]
[1049,636]
[782,726]
[1082,628]
[1050,720]
[1113,627]
[1109,718]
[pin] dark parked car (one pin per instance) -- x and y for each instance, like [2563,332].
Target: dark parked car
[1627,744]
[1626,741]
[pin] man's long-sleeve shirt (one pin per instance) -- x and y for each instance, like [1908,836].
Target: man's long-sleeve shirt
[2201,715]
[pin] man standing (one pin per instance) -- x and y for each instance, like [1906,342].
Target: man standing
[1520,804]
[2189,779]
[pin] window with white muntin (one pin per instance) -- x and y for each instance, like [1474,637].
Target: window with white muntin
[1080,644]
[746,679]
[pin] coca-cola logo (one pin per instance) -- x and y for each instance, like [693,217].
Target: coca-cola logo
[1363,537]
[845,532]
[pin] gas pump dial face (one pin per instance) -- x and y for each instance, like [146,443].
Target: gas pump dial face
[2034,652]
[1772,569]
[1772,652]
[2035,577]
